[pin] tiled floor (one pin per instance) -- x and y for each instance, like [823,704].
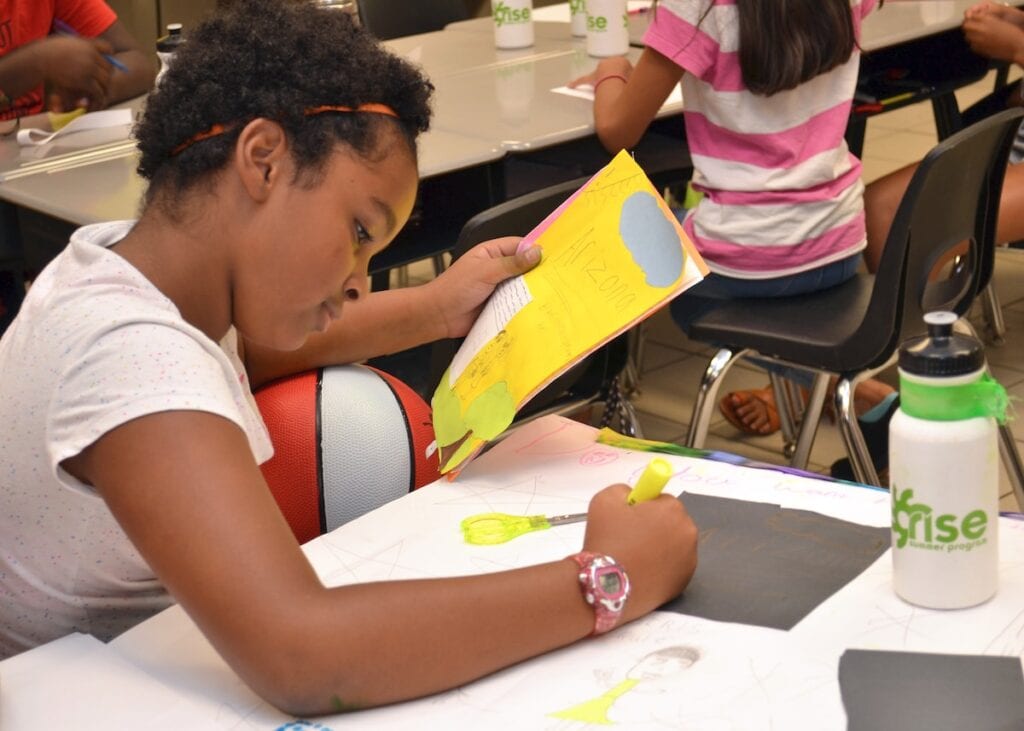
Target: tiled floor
[672,365]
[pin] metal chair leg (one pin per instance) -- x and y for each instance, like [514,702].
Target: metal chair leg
[1012,461]
[634,361]
[1007,443]
[787,414]
[618,407]
[811,420]
[439,265]
[849,429]
[993,315]
[630,420]
[706,392]
[794,401]
[629,379]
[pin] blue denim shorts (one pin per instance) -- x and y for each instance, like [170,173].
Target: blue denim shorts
[717,288]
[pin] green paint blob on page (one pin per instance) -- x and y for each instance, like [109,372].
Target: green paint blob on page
[487,417]
[492,411]
[449,426]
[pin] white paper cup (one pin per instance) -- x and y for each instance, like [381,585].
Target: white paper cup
[607,28]
[513,23]
[578,17]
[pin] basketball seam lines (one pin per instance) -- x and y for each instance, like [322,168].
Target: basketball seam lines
[408,431]
[320,506]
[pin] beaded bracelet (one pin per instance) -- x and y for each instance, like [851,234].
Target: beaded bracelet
[603,79]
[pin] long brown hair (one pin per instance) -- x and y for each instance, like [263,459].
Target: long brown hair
[784,43]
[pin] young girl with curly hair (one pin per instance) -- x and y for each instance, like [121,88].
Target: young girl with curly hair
[281,154]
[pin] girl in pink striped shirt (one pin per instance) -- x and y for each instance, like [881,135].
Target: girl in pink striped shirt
[767,90]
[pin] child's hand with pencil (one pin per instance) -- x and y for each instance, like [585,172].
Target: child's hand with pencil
[53,67]
[653,538]
[77,72]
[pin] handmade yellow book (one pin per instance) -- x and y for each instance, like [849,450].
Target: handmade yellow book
[613,253]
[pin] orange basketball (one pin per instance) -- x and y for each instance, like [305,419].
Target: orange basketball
[347,439]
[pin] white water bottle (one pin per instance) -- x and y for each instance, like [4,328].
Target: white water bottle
[513,23]
[578,17]
[607,28]
[166,46]
[944,470]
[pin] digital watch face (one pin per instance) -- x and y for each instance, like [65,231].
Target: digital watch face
[610,582]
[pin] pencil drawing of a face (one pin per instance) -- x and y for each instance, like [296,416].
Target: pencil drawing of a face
[665,662]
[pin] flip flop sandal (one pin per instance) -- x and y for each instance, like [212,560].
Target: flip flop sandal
[728,409]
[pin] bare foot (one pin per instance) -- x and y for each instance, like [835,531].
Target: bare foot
[751,411]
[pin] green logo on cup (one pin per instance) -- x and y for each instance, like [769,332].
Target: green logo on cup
[576,7]
[503,14]
[914,524]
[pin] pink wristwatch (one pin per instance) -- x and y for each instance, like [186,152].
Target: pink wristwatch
[605,587]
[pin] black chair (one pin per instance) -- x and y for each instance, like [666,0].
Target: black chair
[388,19]
[853,330]
[593,381]
[988,105]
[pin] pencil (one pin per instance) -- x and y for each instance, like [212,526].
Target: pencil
[67,30]
[898,98]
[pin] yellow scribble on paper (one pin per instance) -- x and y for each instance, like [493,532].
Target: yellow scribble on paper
[59,120]
[595,710]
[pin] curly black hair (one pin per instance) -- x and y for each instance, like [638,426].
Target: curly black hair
[274,59]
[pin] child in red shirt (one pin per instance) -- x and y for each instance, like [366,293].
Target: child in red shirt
[75,70]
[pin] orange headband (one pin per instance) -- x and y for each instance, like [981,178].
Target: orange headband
[219,129]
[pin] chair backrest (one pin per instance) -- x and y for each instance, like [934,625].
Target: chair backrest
[953,197]
[517,217]
[388,19]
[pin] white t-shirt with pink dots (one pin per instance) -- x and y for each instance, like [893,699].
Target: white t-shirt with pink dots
[94,346]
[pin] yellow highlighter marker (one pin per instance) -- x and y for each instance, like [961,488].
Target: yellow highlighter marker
[651,482]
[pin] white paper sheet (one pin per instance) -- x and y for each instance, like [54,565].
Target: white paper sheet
[505,302]
[77,682]
[586,91]
[90,121]
[867,614]
[171,649]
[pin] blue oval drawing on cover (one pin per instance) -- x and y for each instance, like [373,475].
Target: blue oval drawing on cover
[651,239]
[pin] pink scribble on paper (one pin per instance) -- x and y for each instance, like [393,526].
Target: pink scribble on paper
[598,457]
